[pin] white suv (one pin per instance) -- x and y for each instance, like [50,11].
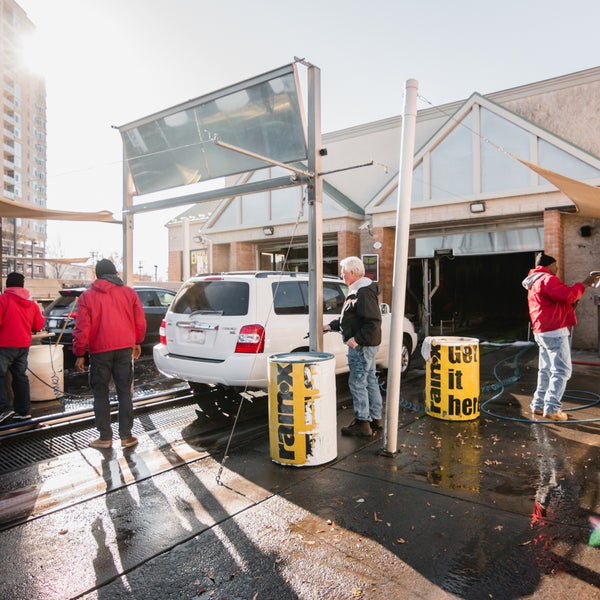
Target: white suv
[221,329]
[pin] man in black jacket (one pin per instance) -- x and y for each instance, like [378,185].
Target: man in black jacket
[360,325]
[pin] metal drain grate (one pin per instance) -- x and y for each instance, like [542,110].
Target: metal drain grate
[41,445]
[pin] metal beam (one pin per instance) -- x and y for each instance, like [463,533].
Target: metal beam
[229,192]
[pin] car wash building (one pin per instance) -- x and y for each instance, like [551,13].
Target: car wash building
[479,211]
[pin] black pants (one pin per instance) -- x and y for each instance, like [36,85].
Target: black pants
[15,361]
[118,365]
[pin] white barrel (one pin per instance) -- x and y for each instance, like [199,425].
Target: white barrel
[302,408]
[45,372]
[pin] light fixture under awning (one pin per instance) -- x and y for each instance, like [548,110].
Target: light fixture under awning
[585,197]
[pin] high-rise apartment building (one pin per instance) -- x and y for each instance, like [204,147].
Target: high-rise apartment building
[23,142]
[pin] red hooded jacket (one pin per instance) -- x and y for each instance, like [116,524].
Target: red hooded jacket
[550,300]
[19,317]
[109,317]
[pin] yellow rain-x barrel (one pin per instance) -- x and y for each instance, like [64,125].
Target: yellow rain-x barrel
[302,408]
[451,377]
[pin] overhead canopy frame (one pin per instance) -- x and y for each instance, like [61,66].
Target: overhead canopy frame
[251,125]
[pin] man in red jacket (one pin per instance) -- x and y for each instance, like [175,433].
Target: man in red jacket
[111,325]
[552,313]
[19,316]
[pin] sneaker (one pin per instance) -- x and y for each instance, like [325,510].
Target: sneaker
[358,429]
[376,424]
[538,411]
[101,444]
[5,415]
[18,417]
[129,442]
[557,416]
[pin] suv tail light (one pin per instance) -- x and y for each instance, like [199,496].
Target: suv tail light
[162,332]
[251,339]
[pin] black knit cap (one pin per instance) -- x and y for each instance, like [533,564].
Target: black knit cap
[15,280]
[543,260]
[105,267]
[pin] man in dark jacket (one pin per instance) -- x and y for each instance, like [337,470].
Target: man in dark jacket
[19,316]
[552,315]
[110,323]
[360,325]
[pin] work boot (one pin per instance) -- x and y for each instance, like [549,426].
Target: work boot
[376,425]
[558,416]
[129,442]
[100,444]
[358,428]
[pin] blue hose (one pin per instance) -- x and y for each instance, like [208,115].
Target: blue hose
[502,383]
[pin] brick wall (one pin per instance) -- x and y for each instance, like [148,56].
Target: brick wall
[175,266]
[348,244]
[242,256]
[553,237]
[221,254]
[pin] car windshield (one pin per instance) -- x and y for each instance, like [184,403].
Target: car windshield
[229,298]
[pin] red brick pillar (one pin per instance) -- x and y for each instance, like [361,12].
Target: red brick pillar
[242,256]
[387,237]
[175,266]
[220,258]
[553,237]
[348,244]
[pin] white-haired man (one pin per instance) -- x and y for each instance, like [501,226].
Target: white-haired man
[360,325]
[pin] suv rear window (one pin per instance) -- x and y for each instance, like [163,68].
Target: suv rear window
[229,298]
[60,305]
[291,297]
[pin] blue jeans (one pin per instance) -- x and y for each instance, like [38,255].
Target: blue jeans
[363,384]
[118,365]
[554,370]
[15,361]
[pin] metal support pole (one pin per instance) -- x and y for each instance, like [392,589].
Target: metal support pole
[127,224]
[390,437]
[185,224]
[426,317]
[315,212]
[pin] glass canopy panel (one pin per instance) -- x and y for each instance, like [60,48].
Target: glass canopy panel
[176,147]
[500,172]
[452,162]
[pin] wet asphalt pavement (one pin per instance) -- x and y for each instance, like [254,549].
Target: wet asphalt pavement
[496,507]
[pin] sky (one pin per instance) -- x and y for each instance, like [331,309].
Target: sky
[109,62]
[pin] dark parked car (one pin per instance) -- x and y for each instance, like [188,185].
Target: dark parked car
[60,314]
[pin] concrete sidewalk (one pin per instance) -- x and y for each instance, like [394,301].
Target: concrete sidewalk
[490,508]
[497,507]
